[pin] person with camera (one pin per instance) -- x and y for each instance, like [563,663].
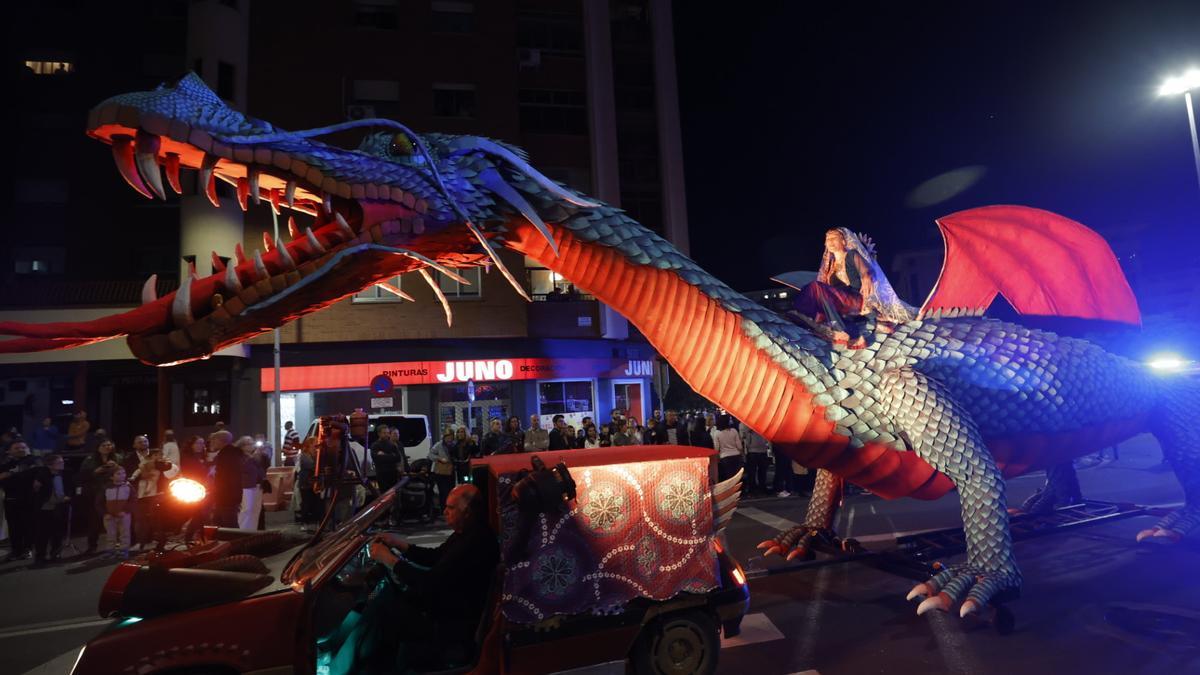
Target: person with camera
[94,475]
[16,480]
[150,481]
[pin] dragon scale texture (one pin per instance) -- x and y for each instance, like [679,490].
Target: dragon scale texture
[927,406]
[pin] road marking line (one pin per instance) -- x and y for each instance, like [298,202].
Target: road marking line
[769,519]
[756,628]
[57,665]
[90,623]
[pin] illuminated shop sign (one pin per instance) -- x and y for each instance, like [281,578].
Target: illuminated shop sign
[361,375]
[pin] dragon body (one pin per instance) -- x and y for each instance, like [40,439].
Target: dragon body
[940,403]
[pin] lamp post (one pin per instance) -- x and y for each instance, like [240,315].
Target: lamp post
[1184,84]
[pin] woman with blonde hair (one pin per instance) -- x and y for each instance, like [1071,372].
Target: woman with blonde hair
[851,282]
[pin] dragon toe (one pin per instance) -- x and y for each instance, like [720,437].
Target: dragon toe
[967,583]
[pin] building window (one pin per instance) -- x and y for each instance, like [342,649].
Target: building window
[50,67]
[551,34]
[205,404]
[225,80]
[38,260]
[377,14]
[550,111]
[374,293]
[454,289]
[454,100]
[450,16]
[566,397]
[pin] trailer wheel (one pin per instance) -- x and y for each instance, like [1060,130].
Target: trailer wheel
[681,643]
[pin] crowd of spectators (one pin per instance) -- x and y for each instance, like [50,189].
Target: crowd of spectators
[117,493]
[737,445]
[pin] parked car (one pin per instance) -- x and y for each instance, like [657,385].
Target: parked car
[218,608]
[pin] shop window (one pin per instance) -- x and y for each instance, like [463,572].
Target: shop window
[374,293]
[450,16]
[566,397]
[453,288]
[492,400]
[206,404]
[454,100]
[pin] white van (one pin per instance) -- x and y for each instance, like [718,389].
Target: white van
[414,432]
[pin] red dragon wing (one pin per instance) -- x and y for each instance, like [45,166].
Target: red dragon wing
[1042,263]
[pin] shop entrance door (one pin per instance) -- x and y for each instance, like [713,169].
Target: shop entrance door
[628,397]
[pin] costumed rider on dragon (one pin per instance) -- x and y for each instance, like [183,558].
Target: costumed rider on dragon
[849,283]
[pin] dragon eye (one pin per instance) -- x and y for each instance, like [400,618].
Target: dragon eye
[402,145]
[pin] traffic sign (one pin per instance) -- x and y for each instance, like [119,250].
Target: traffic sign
[382,384]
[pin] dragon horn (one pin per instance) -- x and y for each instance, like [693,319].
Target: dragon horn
[492,181]
[437,290]
[487,247]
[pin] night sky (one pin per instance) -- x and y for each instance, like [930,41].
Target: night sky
[798,117]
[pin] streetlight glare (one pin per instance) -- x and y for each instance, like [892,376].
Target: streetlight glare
[1173,86]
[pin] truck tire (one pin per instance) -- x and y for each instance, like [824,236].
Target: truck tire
[680,643]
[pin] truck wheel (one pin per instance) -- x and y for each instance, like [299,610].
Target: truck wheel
[682,643]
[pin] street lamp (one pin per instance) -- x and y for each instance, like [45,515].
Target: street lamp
[1184,84]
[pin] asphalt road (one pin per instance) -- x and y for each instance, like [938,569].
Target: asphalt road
[1093,601]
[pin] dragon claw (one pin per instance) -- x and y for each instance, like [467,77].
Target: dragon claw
[921,590]
[768,544]
[970,584]
[799,551]
[1158,535]
[940,602]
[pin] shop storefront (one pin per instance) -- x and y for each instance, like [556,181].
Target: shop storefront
[471,392]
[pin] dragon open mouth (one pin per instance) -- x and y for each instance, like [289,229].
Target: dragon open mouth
[346,215]
[400,202]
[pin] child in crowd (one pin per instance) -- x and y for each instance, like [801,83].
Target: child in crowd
[149,480]
[118,507]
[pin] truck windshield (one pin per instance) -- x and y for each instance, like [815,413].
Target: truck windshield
[326,550]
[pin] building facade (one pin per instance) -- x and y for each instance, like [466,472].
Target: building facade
[586,87]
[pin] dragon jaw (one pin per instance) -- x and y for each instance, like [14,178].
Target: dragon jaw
[399,203]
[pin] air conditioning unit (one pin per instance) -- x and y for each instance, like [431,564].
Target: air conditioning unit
[530,58]
[358,111]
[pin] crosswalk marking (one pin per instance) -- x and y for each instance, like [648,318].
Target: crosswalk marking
[756,628]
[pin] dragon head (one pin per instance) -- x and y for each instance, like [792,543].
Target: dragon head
[400,202]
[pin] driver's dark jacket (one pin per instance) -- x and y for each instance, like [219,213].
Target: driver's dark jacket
[454,589]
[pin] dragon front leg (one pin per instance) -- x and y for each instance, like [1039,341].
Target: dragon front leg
[1177,432]
[799,541]
[943,433]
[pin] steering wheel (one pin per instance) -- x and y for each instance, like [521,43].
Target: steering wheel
[361,573]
